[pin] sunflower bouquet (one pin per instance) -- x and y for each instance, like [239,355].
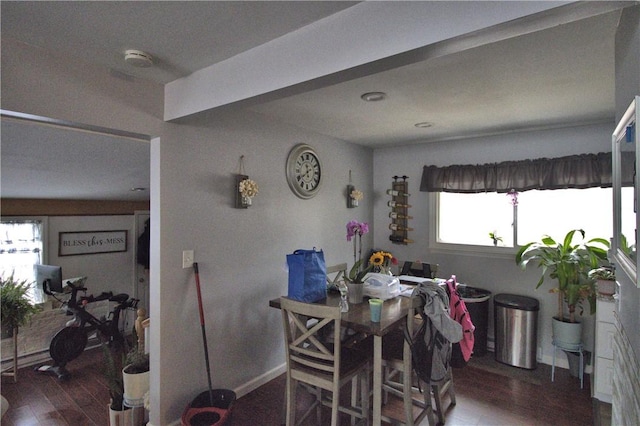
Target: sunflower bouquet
[381,261]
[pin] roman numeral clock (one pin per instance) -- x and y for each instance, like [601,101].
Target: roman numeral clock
[304,171]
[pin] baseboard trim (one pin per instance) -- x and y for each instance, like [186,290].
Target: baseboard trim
[260,380]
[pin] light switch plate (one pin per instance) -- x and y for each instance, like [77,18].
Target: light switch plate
[187,259]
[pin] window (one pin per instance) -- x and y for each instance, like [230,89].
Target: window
[469,219]
[21,248]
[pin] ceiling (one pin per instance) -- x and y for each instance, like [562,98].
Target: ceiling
[556,77]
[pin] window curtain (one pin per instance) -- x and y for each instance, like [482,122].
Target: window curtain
[21,248]
[574,171]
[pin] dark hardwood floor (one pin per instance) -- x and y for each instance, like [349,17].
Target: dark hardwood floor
[509,397]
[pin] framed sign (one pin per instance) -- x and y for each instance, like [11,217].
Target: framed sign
[91,242]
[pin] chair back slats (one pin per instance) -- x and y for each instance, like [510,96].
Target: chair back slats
[311,363]
[305,346]
[308,336]
[340,270]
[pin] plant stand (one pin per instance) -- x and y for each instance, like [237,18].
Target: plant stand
[136,415]
[578,348]
[13,371]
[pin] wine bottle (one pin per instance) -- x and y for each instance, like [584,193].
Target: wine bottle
[394,215]
[396,227]
[396,204]
[400,239]
[395,193]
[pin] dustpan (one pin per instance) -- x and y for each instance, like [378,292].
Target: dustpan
[209,409]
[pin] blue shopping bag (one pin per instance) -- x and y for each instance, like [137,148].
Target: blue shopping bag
[307,275]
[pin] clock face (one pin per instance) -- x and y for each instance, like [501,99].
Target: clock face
[304,171]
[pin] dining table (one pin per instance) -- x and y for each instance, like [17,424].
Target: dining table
[358,318]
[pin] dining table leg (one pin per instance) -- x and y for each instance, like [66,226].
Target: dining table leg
[377,380]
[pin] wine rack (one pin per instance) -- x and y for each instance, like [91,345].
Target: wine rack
[399,215]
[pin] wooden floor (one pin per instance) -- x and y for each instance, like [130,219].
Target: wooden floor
[483,398]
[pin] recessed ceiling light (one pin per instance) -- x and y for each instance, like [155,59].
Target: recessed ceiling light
[373,96]
[138,189]
[424,125]
[138,58]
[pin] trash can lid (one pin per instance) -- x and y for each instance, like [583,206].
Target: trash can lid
[516,302]
[473,294]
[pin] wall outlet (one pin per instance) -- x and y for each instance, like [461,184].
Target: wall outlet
[187,259]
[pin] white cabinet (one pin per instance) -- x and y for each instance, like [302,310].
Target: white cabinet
[605,330]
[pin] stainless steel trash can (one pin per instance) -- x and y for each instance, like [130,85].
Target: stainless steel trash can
[516,324]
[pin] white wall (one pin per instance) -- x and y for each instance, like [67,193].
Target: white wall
[497,273]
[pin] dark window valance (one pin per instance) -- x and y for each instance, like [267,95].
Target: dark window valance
[574,171]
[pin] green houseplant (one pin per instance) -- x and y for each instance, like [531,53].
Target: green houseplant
[15,307]
[135,374]
[605,278]
[113,360]
[569,264]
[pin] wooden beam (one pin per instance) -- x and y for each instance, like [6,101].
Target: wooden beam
[46,207]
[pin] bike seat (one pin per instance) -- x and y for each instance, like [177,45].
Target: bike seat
[120,298]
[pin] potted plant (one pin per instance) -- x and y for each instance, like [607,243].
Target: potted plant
[355,231]
[605,279]
[135,376]
[113,373]
[15,307]
[569,264]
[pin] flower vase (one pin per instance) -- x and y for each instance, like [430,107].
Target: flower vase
[246,201]
[355,292]
[386,270]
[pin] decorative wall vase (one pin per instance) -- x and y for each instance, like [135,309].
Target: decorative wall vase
[239,198]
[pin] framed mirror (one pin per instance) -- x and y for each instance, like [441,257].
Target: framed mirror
[626,159]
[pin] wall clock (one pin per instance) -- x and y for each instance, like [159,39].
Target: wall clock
[304,171]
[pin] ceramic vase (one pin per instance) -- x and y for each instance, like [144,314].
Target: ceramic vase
[566,333]
[356,292]
[135,386]
[606,287]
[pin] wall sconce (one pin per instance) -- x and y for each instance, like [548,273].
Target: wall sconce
[353,195]
[246,188]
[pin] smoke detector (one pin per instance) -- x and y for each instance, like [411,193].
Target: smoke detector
[138,58]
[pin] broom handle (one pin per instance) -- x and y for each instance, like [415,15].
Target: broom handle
[204,333]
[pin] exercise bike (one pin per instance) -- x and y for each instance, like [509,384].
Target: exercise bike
[70,341]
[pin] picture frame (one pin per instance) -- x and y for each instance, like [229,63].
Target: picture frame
[92,242]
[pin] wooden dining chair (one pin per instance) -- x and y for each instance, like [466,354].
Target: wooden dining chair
[398,377]
[322,365]
[340,271]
